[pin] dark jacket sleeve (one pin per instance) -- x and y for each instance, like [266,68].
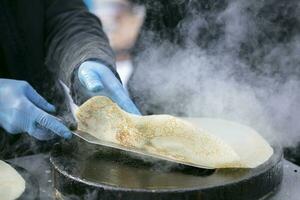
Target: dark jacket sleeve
[73,35]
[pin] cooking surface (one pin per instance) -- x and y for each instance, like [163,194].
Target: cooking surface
[126,172]
[97,165]
[289,188]
[79,168]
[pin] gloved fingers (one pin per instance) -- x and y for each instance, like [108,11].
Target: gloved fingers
[52,124]
[118,93]
[119,96]
[90,79]
[97,77]
[42,134]
[38,100]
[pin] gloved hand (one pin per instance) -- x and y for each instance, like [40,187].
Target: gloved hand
[22,109]
[100,80]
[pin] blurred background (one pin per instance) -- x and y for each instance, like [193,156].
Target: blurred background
[122,21]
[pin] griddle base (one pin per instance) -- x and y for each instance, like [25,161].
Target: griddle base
[91,173]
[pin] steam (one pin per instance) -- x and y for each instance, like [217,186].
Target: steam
[236,63]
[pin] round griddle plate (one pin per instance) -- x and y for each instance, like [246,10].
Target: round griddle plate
[31,188]
[81,169]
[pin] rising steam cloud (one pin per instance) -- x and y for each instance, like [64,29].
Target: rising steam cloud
[241,62]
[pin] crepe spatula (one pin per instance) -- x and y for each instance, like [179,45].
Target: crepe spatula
[95,141]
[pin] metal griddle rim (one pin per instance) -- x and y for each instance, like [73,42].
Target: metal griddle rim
[190,189]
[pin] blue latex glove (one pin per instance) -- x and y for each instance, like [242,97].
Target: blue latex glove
[99,79]
[22,109]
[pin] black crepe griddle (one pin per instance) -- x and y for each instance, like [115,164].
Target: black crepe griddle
[31,185]
[90,172]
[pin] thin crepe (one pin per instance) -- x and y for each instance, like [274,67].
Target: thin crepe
[159,134]
[251,147]
[12,185]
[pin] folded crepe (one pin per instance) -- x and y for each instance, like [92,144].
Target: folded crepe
[164,135]
[12,185]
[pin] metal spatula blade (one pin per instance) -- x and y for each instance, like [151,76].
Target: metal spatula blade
[93,140]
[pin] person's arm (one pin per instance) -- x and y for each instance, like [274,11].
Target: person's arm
[73,35]
[78,52]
